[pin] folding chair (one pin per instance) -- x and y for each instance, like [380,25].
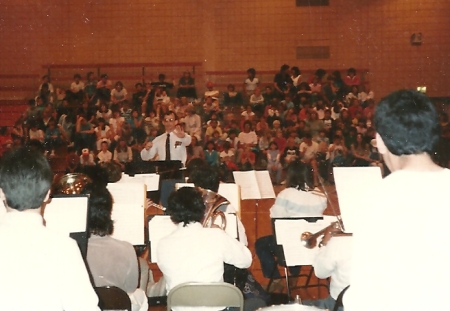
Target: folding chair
[113,298]
[205,295]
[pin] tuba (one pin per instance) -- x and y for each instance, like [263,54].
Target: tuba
[213,202]
[72,183]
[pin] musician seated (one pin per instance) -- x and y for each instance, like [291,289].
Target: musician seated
[112,262]
[40,270]
[294,201]
[193,253]
[333,260]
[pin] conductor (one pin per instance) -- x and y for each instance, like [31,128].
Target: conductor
[170,145]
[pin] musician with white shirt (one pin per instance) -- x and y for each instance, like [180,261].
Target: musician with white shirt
[169,146]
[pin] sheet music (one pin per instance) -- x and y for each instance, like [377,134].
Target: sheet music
[265,184]
[67,214]
[128,223]
[182,184]
[159,227]
[353,186]
[288,233]
[248,183]
[150,180]
[133,193]
[231,227]
[230,192]
[128,211]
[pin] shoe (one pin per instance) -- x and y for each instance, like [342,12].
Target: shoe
[283,182]
[71,144]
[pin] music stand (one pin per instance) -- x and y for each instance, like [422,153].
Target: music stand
[167,170]
[290,252]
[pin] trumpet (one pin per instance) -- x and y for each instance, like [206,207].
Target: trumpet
[309,240]
[213,202]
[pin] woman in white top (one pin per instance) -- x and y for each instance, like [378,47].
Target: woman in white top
[294,201]
[119,93]
[103,133]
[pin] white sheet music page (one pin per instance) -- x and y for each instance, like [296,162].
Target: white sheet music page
[231,192]
[66,214]
[128,211]
[289,231]
[265,184]
[150,180]
[231,227]
[183,184]
[128,223]
[248,183]
[353,186]
[159,227]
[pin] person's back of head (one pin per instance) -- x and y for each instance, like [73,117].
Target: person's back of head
[99,209]
[25,178]
[298,176]
[407,122]
[206,177]
[186,206]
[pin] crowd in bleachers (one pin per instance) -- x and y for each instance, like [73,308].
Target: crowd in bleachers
[324,120]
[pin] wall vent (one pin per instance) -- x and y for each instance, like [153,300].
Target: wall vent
[312,2]
[313,52]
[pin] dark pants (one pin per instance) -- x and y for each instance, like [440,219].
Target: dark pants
[266,249]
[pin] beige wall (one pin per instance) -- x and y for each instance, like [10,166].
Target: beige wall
[233,35]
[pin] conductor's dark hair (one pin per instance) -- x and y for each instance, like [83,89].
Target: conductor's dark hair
[407,122]
[25,178]
[206,177]
[186,206]
[284,67]
[298,176]
[99,209]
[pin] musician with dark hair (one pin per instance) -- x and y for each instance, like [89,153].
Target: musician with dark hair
[111,262]
[413,273]
[56,273]
[193,253]
[294,201]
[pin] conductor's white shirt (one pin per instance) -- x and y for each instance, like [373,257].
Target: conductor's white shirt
[177,148]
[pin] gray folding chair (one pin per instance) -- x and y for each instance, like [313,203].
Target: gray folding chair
[205,295]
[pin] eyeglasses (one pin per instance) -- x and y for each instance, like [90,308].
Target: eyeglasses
[169,120]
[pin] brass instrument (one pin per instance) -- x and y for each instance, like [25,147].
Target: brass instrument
[309,240]
[212,202]
[72,183]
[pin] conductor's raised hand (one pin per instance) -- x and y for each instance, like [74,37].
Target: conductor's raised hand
[179,131]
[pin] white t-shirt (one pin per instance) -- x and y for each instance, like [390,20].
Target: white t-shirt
[291,202]
[400,249]
[74,87]
[311,151]
[250,86]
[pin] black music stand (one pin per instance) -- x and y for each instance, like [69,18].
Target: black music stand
[169,173]
[281,261]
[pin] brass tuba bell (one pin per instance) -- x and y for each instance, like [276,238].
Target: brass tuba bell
[213,202]
[72,183]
